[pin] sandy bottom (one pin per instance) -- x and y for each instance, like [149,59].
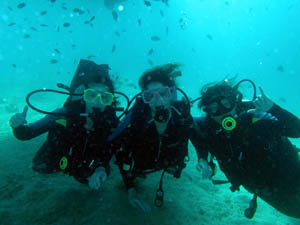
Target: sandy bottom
[30,198]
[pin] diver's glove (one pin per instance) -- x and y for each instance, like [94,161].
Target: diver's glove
[205,169]
[97,179]
[19,118]
[136,202]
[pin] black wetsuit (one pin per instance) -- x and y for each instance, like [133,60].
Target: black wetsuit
[83,151]
[258,155]
[144,150]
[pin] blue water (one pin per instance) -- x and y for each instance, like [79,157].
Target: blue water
[212,39]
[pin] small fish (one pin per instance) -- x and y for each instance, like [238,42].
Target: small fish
[92,18]
[43,13]
[10,8]
[282,99]
[14,65]
[57,51]
[167,31]
[11,24]
[155,38]
[180,20]
[226,3]
[73,46]
[91,56]
[57,29]
[132,85]
[53,61]
[162,13]
[86,22]
[115,15]
[166,2]
[209,37]
[26,36]
[147,3]
[33,28]
[52,1]
[21,5]
[280,68]
[44,25]
[150,52]
[79,11]
[150,62]
[66,24]
[65,8]
[113,49]
[117,33]
[139,21]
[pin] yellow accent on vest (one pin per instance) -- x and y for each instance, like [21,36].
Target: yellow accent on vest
[255,119]
[61,122]
[63,163]
[215,170]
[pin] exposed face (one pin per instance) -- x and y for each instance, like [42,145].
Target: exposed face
[97,96]
[157,94]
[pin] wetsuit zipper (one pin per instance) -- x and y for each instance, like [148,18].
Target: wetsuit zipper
[159,148]
[86,141]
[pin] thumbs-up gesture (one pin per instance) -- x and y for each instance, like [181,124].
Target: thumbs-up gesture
[19,118]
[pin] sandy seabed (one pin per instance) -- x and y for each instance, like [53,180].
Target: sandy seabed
[30,198]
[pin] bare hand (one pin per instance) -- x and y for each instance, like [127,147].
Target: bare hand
[19,118]
[97,179]
[262,103]
[204,168]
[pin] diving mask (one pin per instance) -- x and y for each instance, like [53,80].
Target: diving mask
[91,95]
[162,94]
[219,106]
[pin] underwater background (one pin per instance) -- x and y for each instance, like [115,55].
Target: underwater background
[42,42]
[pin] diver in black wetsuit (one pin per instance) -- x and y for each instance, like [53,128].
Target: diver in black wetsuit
[252,146]
[76,142]
[155,133]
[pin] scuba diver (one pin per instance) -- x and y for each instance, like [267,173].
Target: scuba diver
[250,143]
[76,142]
[154,134]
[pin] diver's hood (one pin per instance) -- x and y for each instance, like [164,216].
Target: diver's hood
[89,72]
